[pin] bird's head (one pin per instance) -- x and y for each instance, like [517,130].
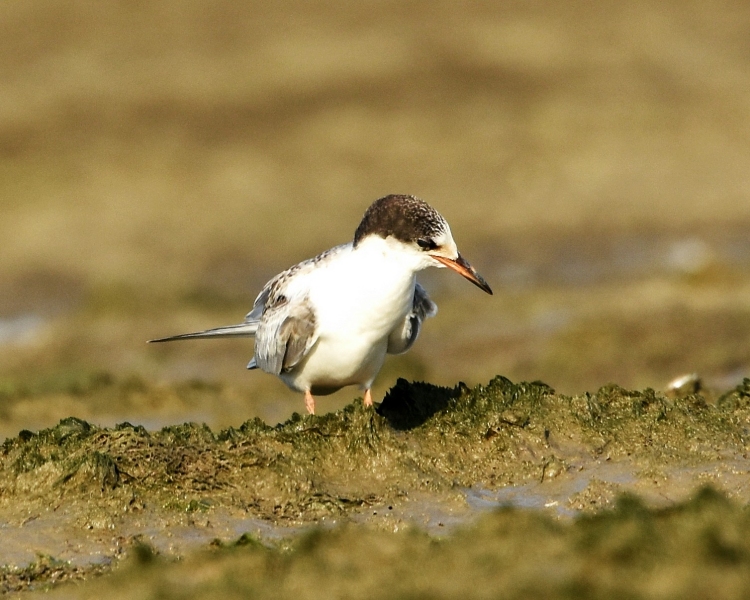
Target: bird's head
[421,233]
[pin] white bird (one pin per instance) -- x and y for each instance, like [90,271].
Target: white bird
[328,322]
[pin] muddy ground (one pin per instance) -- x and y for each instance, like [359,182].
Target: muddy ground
[160,161]
[694,550]
[77,498]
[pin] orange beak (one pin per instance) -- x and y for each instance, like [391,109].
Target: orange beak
[462,267]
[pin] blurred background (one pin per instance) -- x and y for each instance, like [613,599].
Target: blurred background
[159,161]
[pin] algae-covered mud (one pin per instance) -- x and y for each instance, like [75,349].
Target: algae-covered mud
[427,458]
[699,549]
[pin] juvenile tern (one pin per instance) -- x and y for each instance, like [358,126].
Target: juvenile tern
[328,322]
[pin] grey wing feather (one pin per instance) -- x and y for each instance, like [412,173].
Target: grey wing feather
[285,335]
[403,337]
[255,315]
[299,332]
[260,303]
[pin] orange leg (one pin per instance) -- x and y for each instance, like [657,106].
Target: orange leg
[368,397]
[309,402]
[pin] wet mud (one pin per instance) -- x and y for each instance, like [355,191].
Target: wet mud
[76,498]
[698,549]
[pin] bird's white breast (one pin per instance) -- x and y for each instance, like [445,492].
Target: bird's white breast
[359,297]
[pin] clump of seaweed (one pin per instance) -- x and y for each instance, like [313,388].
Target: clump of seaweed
[44,573]
[421,437]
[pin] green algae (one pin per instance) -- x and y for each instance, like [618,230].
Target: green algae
[697,549]
[421,441]
[420,438]
[44,573]
[737,399]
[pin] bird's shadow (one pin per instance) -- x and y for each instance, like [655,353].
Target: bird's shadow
[408,405]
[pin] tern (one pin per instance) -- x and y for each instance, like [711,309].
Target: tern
[328,322]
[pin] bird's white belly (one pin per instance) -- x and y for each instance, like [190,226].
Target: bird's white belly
[336,363]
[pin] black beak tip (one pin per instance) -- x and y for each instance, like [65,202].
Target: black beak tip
[484,286]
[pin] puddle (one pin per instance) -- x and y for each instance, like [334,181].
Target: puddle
[102,541]
[21,329]
[665,486]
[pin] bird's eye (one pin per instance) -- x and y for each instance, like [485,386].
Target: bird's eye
[426,244]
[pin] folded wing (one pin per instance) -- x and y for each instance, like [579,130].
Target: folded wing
[286,333]
[404,335]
